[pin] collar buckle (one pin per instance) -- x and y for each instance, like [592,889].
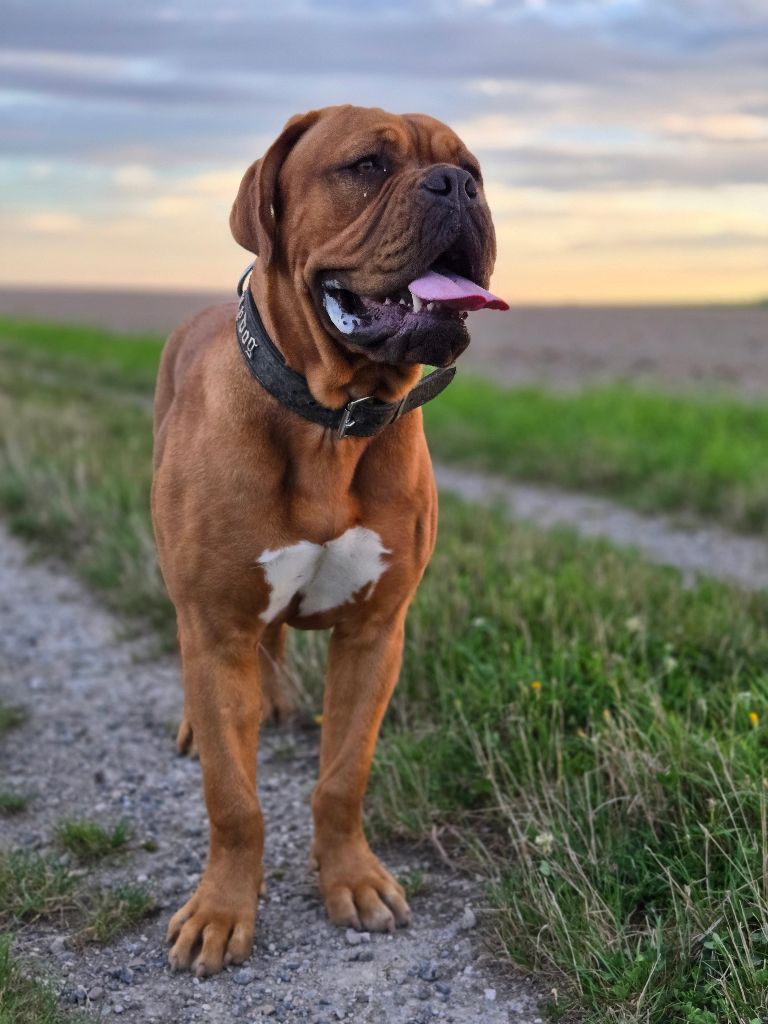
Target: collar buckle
[347,422]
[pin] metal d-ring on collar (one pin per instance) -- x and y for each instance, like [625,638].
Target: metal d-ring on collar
[360,417]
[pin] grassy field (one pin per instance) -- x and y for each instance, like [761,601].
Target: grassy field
[75,452]
[570,720]
[706,455]
[701,454]
[593,735]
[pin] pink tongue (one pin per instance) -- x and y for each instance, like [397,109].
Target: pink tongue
[454,291]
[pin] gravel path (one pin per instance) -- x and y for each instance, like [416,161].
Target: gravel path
[98,744]
[707,551]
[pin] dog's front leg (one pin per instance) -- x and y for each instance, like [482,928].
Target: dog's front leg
[363,664]
[223,699]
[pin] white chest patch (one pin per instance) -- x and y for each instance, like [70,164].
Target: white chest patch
[326,575]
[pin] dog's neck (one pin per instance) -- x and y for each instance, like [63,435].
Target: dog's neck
[333,376]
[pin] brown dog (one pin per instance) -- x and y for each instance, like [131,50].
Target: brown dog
[271,513]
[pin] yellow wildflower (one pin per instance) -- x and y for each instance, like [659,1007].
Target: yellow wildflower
[754,719]
[536,686]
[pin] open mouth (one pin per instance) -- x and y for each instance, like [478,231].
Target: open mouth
[430,300]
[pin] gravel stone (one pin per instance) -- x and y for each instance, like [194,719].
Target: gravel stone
[468,919]
[428,970]
[99,744]
[360,956]
[124,974]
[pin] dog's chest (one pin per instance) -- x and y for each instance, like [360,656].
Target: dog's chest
[325,575]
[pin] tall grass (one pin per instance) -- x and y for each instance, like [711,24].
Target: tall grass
[75,470]
[593,735]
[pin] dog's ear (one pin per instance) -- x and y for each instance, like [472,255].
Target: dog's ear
[252,220]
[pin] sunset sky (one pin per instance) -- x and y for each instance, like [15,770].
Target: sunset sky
[624,142]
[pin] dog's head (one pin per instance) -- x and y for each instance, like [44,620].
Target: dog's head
[382,222]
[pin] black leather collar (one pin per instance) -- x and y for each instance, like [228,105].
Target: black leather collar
[360,417]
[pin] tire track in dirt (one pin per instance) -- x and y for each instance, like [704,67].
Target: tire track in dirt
[695,551]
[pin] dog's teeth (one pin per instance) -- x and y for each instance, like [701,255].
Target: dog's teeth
[417,303]
[403,302]
[333,284]
[430,306]
[387,301]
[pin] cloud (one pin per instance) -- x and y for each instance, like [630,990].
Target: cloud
[134,176]
[723,240]
[735,127]
[568,169]
[52,222]
[150,112]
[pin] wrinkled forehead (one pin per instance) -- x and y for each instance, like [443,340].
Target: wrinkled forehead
[343,135]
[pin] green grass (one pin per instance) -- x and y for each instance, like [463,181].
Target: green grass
[114,912]
[701,454]
[11,717]
[33,886]
[26,1001]
[415,883]
[126,363]
[91,842]
[594,736]
[705,454]
[12,803]
[36,887]
[618,807]
[75,451]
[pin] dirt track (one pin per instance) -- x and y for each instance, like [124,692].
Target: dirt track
[696,550]
[667,346]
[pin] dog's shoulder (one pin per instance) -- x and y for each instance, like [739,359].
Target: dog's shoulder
[197,334]
[187,344]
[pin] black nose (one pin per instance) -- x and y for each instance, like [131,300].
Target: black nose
[450,183]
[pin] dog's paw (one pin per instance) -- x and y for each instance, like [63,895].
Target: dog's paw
[210,932]
[185,740]
[359,892]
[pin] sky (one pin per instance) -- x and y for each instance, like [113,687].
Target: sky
[624,143]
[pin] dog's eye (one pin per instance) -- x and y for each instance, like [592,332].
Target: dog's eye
[369,165]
